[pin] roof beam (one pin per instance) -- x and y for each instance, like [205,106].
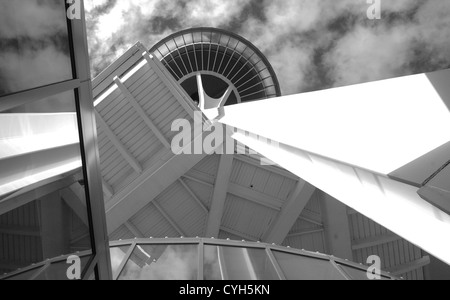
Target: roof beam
[35,191]
[168,80]
[375,241]
[274,169]
[52,215]
[193,195]
[118,144]
[199,181]
[337,228]
[219,196]
[129,201]
[79,239]
[299,198]
[134,230]
[20,230]
[169,219]
[107,189]
[137,107]
[411,266]
[255,196]
[77,204]
[309,220]
[13,265]
[246,237]
[305,232]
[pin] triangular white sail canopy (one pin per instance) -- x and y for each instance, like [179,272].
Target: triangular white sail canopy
[347,141]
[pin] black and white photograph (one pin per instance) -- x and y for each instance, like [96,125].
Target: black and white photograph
[225,146]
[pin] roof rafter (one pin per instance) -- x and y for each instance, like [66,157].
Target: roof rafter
[176,90]
[255,196]
[273,169]
[138,108]
[198,181]
[119,145]
[169,219]
[305,232]
[76,204]
[245,236]
[219,196]
[20,230]
[193,195]
[337,228]
[299,198]
[375,241]
[411,266]
[107,189]
[134,230]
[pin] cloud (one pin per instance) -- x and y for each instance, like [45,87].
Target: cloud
[312,44]
[34,68]
[366,54]
[34,47]
[30,18]
[173,263]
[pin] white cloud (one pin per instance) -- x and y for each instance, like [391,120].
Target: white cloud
[28,18]
[29,69]
[367,54]
[291,34]
[433,28]
[32,35]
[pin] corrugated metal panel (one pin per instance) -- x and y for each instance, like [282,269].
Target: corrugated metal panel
[306,232]
[392,254]
[287,187]
[203,177]
[166,124]
[204,193]
[130,129]
[206,170]
[156,100]
[312,211]
[260,180]
[302,226]
[226,235]
[209,165]
[273,186]
[183,210]
[122,233]
[114,167]
[153,224]
[263,181]
[244,216]
[140,78]
[242,173]
[18,250]
[78,230]
[310,242]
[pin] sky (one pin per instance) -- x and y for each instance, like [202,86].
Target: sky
[34,47]
[312,44]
